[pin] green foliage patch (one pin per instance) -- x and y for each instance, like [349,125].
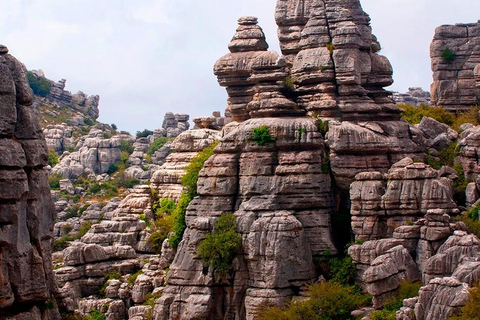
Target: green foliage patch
[54,181]
[189,182]
[52,158]
[40,86]
[261,136]
[326,301]
[220,247]
[448,55]
[156,145]
[143,134]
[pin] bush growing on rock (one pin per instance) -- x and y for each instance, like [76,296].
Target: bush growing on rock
[326,300]
[143,134]
[52,158]
[261,136]
[448,55]
[219,248]
[414,115]
[40,86]
[189,182]
[156,145]
[126,146]
[54,180]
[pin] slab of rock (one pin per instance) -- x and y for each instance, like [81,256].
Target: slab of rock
[27,214]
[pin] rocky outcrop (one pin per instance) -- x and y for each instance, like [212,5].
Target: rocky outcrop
[415,96]
[455,57]
[167,179]
[94,155]
[174,124]
[26,211]
[59,137]
[381,203]
[382,265]
[215,121]
[469,150]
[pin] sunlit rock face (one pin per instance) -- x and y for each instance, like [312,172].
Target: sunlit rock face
[456,66]
[26,209]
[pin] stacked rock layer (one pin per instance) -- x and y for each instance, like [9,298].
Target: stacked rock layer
[455,58]
[26,210]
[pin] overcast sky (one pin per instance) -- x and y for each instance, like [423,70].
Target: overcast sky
[147,57]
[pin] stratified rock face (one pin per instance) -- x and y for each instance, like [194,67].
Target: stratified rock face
[378,206]
[469,151]
[415,96]
[456,80]
[167,179]
[331,52]
[59,137]
[88,105]
[26,210]
[174,124]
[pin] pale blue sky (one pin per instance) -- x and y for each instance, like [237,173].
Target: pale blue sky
[147,57]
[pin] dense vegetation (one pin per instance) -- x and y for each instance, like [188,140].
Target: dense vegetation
[414,115]
[143,134]
[156,145]
[326,301]
[261,136]
[189,182]
[220,247]
[40,86]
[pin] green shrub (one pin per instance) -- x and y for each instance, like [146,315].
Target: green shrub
[113,275]
[133,277]
[167,206]
[473,225]
[219,248]
[261,136]
[143,134]
[126,146]
[471,116]
[189,182]
[473,213]
[88,121]
[114,126]
[339,270]
[112,169]
[448,55]
[470,310]
[156,145]
[122,180]
[54,180]
[40,86]
[414,115]
[322,126]
[52,158]
[327,301]
[161,228]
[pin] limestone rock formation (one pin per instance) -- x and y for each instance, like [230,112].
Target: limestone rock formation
[26,211]
[455,58]
[174,124]
[94,154]
[59,137]
[469,150]
[378,206]
[167,179]
[215,121]
[415,96]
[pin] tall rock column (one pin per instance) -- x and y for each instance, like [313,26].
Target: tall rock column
[279,190]
[26,209]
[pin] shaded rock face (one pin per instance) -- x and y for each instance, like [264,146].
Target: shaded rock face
[455,80]
[26,210]
[174,124]
[469,150]
[381,203]
[59,137]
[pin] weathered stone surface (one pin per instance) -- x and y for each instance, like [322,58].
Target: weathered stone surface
[26,210]
[415,96]
[379,207]
[455,85]
[94,155]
